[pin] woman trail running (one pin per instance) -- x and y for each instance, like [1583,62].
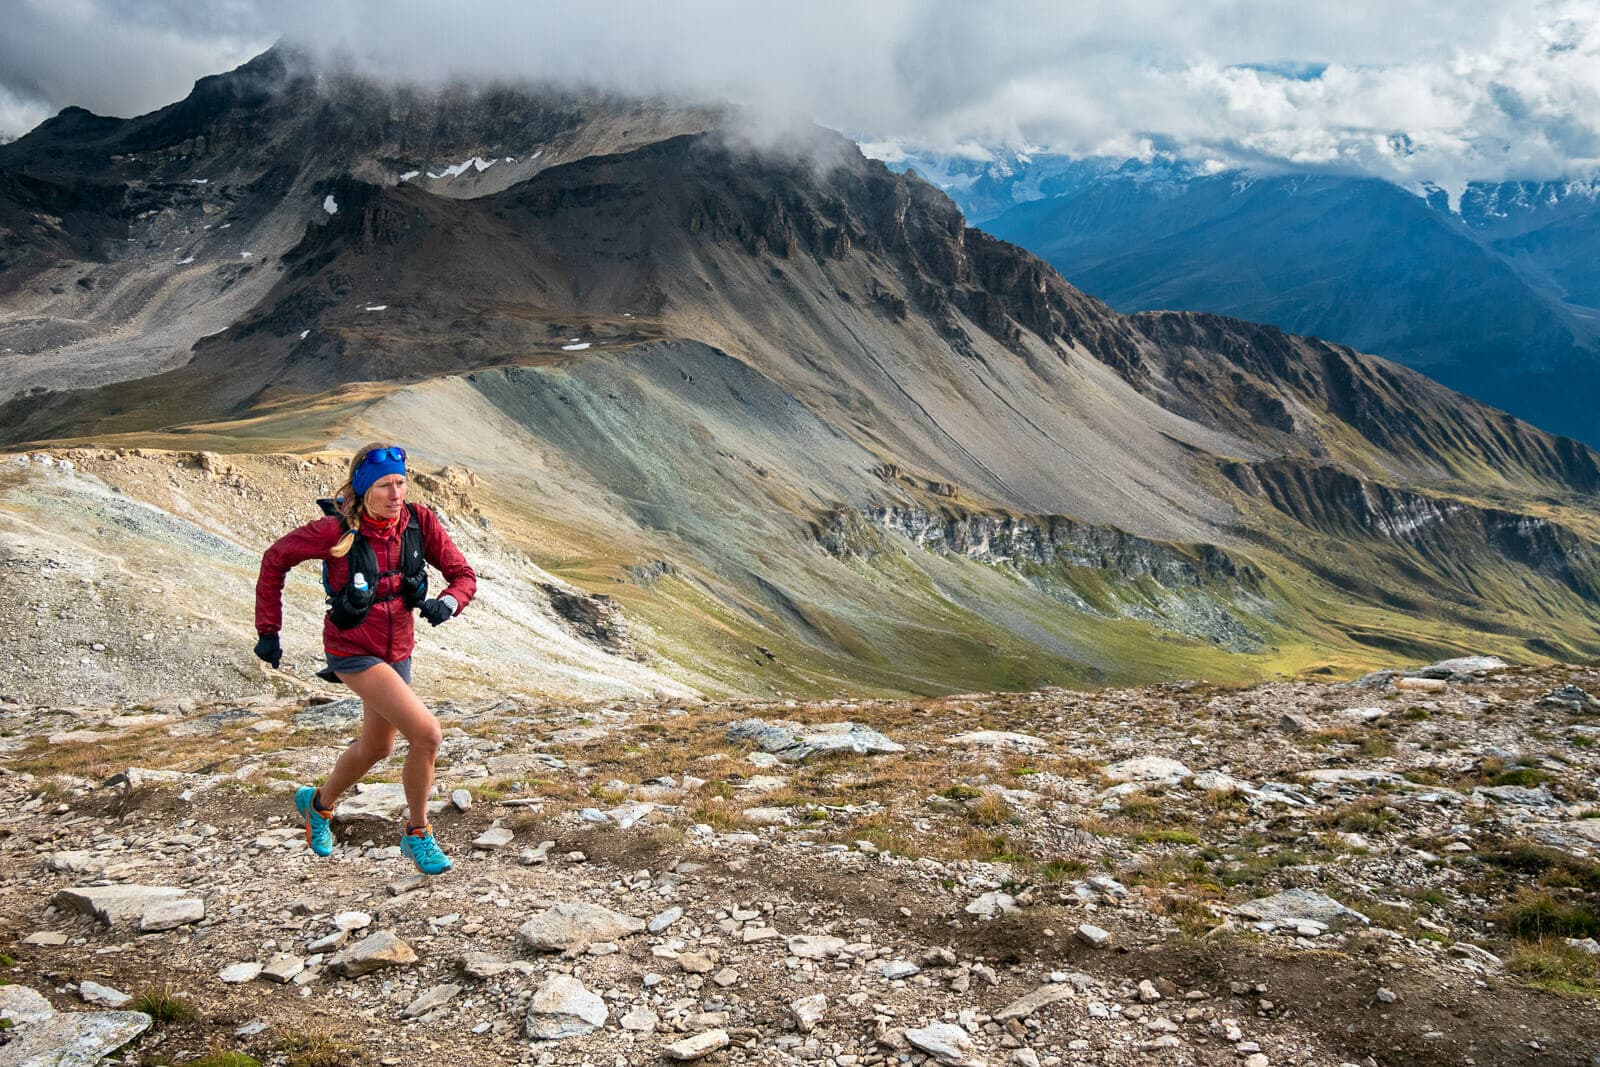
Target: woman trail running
[374,545]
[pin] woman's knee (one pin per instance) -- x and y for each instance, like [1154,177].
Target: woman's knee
[426,737]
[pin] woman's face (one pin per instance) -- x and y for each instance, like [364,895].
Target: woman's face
[386,497]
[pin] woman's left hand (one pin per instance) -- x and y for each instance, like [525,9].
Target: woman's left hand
[438,610]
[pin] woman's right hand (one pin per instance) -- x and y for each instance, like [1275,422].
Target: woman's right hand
[268,650]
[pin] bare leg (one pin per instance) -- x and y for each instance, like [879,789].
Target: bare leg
[370,749]
[386,695]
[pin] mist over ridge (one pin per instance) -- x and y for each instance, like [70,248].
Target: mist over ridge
[1401,91]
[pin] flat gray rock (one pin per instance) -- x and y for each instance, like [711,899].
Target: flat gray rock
[23,1005]
[991,904]
[563,1007]
[481,965]
[1026,1005]
[793,742]
[1518,795]
[1462,665]
[576,926]
[946,1043]
[999,739]
[1572,698]
[626,815]
[495,837]
[239,973]
[664,920]
[72,1038]
[340,714]
[373,953]
[46,939]
[1147,769]
[115,903]
[101,996]
[283,967]
[1094,935]
[432,1000]
[816,946]
[385,801]
[640,1020]
[213,722]
[1299,907]
[171,914]
[692,1048]
[1356,776]
[808,1011]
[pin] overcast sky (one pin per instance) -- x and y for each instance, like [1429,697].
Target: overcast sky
[1399,88]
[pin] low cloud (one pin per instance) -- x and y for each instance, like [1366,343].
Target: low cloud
[1403,89]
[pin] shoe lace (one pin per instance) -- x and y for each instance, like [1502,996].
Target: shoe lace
[425,848]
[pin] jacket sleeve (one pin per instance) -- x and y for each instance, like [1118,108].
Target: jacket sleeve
[310,541]
[442,552]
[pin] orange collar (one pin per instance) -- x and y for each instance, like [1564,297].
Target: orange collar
[381,527]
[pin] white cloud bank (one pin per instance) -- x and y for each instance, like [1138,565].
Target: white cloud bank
[1404,89]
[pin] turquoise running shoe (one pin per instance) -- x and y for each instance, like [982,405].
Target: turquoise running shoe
[419,846]
[319,831]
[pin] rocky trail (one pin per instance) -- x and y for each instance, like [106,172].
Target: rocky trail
[1396,870]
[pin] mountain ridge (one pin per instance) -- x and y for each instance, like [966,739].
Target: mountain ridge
[680,357]
[1495,303]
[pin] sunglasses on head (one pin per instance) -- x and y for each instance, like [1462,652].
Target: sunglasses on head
[384,455]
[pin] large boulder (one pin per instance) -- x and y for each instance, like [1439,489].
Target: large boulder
[43,1037]
[115,903]
[793,742]
[373,953]
[1147,769]
[573,927]
[1300,907]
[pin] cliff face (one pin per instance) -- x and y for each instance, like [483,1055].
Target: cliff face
[1196,590]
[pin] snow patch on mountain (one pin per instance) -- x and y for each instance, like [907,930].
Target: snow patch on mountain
[476,162]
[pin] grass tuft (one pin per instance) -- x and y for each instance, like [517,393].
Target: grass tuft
[163,1006]
[1537,916]
[319,1048]
[991,809]
[1557,967]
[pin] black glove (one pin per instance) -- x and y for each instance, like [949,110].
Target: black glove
[268,650]
[437,611]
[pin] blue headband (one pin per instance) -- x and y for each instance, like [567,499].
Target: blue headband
[378,462]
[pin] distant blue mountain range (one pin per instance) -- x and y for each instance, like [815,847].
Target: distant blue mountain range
[1496,294]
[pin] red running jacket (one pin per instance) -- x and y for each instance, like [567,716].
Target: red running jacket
[388,631]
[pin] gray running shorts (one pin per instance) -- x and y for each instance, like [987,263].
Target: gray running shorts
[356,664]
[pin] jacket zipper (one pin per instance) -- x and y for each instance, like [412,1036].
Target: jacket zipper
[388,623]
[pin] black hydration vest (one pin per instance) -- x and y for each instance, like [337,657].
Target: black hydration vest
[348,606]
